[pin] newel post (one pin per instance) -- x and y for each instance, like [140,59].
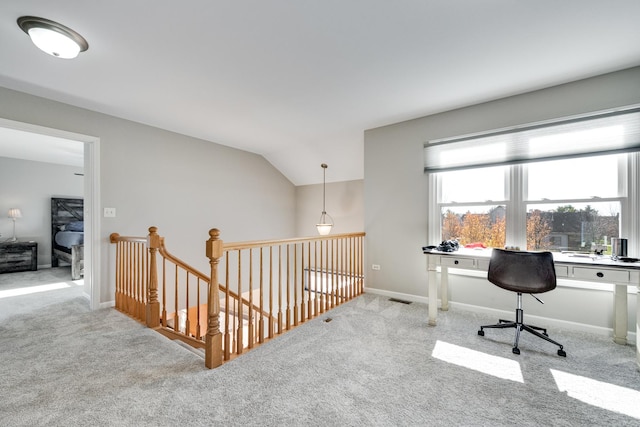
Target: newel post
[153,306]
[213,340]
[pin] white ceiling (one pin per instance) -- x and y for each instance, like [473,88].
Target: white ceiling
[20,144]
[298,81]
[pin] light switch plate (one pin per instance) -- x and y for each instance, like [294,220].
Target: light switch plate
[109,212]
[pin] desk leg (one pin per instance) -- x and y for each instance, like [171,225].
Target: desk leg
[638,327]
[432,290]
[444,291]
[620,319]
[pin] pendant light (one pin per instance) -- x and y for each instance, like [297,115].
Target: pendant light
[326,222]
[53,38]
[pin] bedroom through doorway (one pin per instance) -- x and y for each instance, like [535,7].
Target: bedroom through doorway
[24,141]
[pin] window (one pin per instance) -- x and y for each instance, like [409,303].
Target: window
[474,212]
[573,204]
[538,201]
[567,205]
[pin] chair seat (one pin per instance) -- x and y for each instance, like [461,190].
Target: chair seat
[522,272]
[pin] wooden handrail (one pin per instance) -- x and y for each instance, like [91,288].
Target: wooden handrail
[262,243]
[115,238]
[166,254]
[311,275]
[291,281]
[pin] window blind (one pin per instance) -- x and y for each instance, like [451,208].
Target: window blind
[603,133]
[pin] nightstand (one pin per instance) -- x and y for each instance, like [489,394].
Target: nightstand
[18,256]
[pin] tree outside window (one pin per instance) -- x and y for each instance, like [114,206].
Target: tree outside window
[483,225]
[572,227]
[564,227]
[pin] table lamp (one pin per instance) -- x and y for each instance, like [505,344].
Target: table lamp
[13,214]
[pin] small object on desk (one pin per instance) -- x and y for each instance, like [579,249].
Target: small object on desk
[627,259]
[475,245]
[449,245]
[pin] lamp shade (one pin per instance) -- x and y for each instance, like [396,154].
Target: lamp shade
[324,229]
[325,224]
[15,213]
[54,43]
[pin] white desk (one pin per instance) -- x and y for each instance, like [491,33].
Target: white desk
[602,270]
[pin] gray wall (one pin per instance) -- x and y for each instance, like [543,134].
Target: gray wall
[344,202]
[182,185]
[29,186]
[395,189]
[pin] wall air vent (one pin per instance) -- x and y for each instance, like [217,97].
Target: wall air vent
[399,300]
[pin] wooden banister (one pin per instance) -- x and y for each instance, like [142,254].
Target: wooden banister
[287,283]
[213,342]
[153,305]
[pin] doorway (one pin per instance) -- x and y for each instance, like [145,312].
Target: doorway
[91,166]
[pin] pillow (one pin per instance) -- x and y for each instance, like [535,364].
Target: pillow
[75,226]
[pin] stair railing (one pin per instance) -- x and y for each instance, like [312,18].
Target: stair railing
[170,296]
[283,283]
[267,288]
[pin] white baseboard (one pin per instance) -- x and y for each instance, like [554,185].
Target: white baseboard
[549,322]
[108,304]
[397,295]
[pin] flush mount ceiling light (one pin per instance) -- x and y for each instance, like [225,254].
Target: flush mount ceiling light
[53,38]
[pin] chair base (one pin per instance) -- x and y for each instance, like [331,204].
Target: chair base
[520,326]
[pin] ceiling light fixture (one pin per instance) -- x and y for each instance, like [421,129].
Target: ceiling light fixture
[324,227]
[53,38]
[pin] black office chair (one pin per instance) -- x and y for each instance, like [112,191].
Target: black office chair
[522,272]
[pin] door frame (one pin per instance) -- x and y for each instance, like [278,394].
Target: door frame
[92,250]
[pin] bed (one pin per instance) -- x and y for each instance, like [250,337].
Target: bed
[67,234]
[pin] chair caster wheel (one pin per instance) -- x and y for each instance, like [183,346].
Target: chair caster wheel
[515,350]
[562,353]
[481,333]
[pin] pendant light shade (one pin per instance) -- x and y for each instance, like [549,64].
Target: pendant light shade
[324,228]
[326,222]
[53,38]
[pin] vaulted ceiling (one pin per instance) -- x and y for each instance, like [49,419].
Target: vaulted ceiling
[298,81]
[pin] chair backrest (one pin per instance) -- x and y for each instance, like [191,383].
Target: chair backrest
[526,272]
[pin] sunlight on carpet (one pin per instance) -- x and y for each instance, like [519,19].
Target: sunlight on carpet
[597,393]
[487,364]
[35,289]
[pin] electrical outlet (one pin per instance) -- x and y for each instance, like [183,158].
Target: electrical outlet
[109,212]
[375,267]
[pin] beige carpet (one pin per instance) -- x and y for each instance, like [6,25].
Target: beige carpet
[377,363]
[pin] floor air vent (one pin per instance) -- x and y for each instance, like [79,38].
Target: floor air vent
[399,300]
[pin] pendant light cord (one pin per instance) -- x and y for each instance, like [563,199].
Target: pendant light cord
[324,187]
